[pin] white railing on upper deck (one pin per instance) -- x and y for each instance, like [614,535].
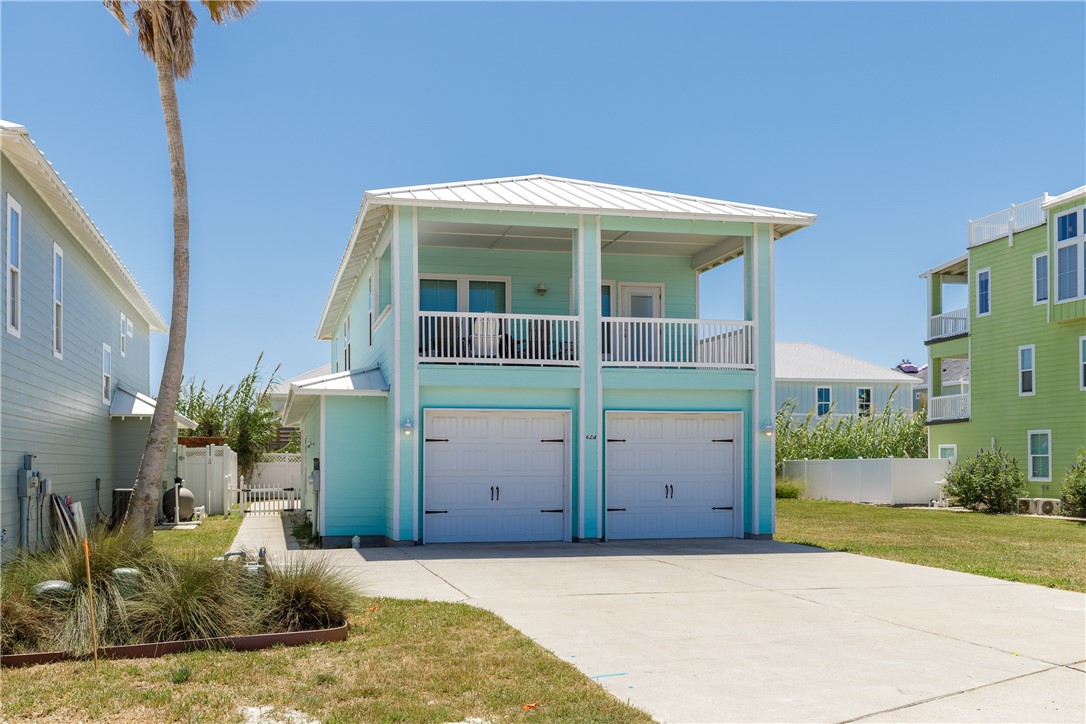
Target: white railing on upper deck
[702,343]
[948,407]
[486,338]
[949,324]
[1002,223]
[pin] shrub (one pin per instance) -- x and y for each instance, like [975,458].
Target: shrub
[1074,485]
[989,481]
[306,593]
[788,488]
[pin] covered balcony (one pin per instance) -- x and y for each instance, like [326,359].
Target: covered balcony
[948,300]
[507,294]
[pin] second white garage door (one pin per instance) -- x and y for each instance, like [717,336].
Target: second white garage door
[673,475]
[495,475]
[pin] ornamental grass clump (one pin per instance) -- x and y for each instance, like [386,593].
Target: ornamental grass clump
[990,481]
[306,593]
[1074,485]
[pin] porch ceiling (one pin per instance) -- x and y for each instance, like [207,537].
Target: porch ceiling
[705,248]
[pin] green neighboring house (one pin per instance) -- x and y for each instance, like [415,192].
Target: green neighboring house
[1023,332]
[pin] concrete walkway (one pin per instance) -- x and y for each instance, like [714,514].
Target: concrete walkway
[729,630]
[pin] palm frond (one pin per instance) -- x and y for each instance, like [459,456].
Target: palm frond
[224,10]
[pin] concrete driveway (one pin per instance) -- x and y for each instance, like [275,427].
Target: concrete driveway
[714,631]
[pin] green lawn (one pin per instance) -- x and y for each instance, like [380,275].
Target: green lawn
[1048,552]
[405,661]
[212,538]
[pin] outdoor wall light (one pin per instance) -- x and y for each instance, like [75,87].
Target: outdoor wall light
[541,289]
[407,427]
[767,429]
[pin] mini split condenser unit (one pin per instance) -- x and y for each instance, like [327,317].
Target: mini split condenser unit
[1027,506]
[1048,506]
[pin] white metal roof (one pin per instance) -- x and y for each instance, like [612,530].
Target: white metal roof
[128,403]
[283,387]
[801,361]
[16,145]
[535,193]
[1051,201]
[356,383]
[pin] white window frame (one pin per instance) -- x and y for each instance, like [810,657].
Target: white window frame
[122,346]
[1030,456]
[1082,363]
[829,401]
[1079,241]
[107,372]
[988,271]
[347,344]
[14,271]
[58,302]
[953,457]
[870,402]
[463,289]
[1032,370]
[377,283]
[1048,273]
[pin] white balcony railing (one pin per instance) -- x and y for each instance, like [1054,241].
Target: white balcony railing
[948,407]
[949,324]
[478,338]
[699,343]
[1002,223]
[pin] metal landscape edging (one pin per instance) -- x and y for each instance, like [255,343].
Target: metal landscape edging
[253,642]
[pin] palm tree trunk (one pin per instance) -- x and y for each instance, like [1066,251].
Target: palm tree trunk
[144,505]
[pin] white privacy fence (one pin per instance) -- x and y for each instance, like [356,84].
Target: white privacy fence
[888,481]
[209,472]
[277,470]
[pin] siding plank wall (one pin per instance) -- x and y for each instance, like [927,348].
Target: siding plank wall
[53,407]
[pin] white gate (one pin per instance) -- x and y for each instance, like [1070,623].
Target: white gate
[265,500]
[209,472]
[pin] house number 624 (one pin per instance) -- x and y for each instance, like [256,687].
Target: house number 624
[589,437]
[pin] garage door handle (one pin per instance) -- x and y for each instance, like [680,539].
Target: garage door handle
[724,440]
[436,512]
[723,507]
[551,510]
[616,439]
[614,510]
[437,439]
[557,439]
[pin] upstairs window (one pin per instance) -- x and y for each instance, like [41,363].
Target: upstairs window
[1040,278]
[123,344]
[384,281]
[107,372]
[15,277]
[863,401]
[1070,255]
[1025,370]
[58,302]
[823,399]
[347,344]
[984,292]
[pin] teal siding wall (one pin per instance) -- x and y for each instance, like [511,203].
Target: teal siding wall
[355,470]
[843,394]
[311,448]
[675,273]
[53,408]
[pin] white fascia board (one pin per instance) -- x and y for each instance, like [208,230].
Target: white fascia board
[1064,197]
[804,220]
[340,393]
[352,241]
[938,268]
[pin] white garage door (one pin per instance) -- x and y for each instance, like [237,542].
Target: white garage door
[673,475]
[494,476]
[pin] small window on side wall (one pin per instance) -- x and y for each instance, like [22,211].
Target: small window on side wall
[863,401]
[1040,455]
[984,292]
[15,267]
[107,373]
[122,345]
[58,302]
[948,452]
[1040,278]
[823,400]
[1026,370]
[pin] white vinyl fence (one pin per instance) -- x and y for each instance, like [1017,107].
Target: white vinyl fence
[209,472]
[888,481]
[278,470]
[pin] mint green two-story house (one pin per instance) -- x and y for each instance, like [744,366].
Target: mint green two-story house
[524,359]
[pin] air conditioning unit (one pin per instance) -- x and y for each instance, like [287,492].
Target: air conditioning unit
[1027,506]
[1048,506]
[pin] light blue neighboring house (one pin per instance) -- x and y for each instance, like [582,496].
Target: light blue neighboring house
[830,383]
[74,351]
[523,359]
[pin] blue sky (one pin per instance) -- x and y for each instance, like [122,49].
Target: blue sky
[896,123]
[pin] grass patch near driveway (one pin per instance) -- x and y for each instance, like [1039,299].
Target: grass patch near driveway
[211,538]
[1048,552]
[404,661]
